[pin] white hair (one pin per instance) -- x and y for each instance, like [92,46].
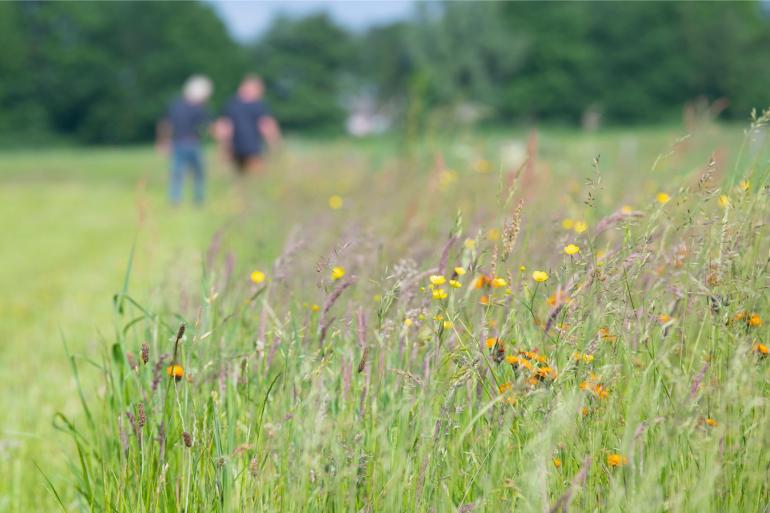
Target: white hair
[197,89]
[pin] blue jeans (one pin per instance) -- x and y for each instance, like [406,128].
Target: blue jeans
[186,155]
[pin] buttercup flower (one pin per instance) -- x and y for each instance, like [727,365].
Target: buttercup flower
[710,422]
[571,249]
[580,226]
[470,243]
[335,202]
[616,460]
[568,224]
[745,185]
[439,294]
[437,279]
[540,276]
[760,349]
[626,209]
[724,201]
[338,272]
[662,198]
[498,282]
[257,276]
[459,271]
[455,284]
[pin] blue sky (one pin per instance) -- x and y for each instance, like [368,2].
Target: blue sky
[247,19]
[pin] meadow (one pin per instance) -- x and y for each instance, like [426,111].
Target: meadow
[475,322]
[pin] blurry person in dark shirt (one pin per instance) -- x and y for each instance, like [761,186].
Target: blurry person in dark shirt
[246,128]
[180,131]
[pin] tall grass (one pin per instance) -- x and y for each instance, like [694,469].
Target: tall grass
[631,379]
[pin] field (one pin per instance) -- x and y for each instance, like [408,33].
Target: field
[398,348]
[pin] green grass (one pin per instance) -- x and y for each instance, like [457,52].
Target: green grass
[283,422]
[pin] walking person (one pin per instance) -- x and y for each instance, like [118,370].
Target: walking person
[246,128]
[180,131]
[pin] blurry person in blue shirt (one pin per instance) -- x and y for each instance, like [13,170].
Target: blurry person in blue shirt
[180,133]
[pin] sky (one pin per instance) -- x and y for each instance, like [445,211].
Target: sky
[248,19]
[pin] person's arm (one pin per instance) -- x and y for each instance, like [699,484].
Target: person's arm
[163,135]
[270,130]
[222,132]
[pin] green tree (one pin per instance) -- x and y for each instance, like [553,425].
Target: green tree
[305,64]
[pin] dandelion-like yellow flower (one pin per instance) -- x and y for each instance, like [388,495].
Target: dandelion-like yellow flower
[459,271]
[626,209]
[540,276]
[710,422]
[408,322]
[484,300]
[498,283]
[335,202]
[571,249]
[257,277]
[664,318]
[175,371]
[437,279]
[470,243]
[754,321]
[504,387]
[745,185]
[557,462]
[439,294]
[338,272]
[662,198]
[724,201]
[490,342]
[760,349]
[568,224]
[522,268]
[581,226]
[616,460]
[314,307]
[493,234]
[448,325]
[455,284]
[512,359]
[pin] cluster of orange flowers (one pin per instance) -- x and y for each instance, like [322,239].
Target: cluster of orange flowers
[752,319]
[595,387]
[535,363]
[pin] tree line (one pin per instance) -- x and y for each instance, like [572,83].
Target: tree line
[103,72]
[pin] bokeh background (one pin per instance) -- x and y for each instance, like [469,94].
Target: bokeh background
[408,111]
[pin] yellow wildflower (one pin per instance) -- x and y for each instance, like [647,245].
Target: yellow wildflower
[459,271]
[760,349]
[490,343]
[408,322]
[710,422]
[724,201]
[335,202]
[616,460]
[448,325]
[493,234]
[455,284]
[499,282]
[314,307]
[257,276]
[662,198]
[470,243]
[571,249]
[568,224]
[540,276]
[439,294]
[557,462]
[437,279]
[745,185]
[626,209]
[338,272]
[580,226]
